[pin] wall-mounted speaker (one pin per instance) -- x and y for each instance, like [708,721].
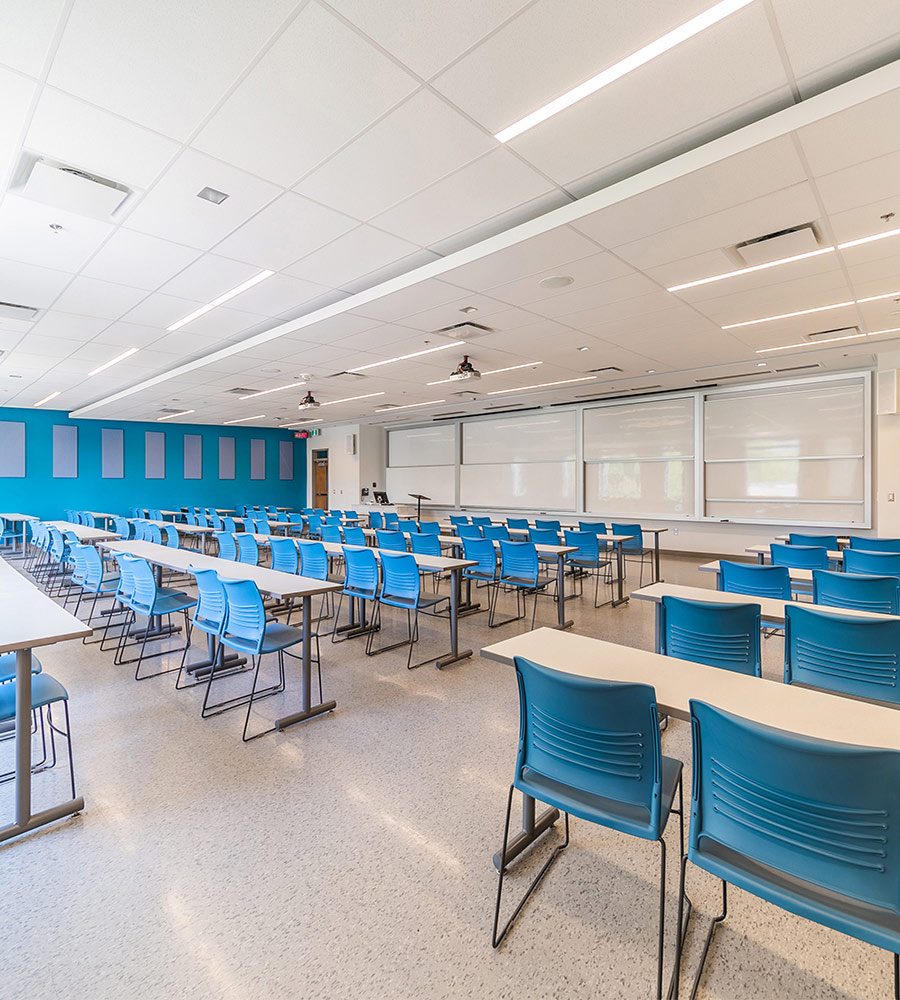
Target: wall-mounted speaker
[351,444]
[886,392]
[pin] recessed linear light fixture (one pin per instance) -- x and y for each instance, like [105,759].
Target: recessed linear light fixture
[615,72]
[301,380]
[170,416]
[807,312]
[542,385]
[46,399]
[350,399]
[297,423]
[493,371]
[785,260]
[113,361]
[405,357]
[259,416]
[409,406]
[832,340]
[197,313]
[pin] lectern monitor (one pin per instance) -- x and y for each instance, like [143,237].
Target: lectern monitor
[380,496]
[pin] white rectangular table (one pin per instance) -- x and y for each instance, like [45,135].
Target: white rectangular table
[269,581]
[31,619]
[15,518]
[785,706]
[82,532]
[797,575]
[762,553]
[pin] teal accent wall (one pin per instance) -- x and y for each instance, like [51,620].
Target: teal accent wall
[40,494]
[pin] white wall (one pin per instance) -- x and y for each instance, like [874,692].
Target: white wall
[372,456]
[886,464]
[343,469]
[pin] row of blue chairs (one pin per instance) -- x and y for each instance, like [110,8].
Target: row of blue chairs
[856,542]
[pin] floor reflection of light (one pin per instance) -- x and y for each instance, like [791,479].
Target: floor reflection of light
[212,958]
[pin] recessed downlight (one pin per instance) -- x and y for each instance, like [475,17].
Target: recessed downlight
[211,194]
[557,281]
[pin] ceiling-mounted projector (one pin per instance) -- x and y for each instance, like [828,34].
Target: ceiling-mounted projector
[309,402]
[464,371]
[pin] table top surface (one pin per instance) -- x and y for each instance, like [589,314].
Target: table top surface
[180,526]
[423,561]
[19,517]
[772,703]
[798,575]
[30,618]
[771,608]
[763,549]
[268,580]
[82,532]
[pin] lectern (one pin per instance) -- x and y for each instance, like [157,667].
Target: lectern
[419,498]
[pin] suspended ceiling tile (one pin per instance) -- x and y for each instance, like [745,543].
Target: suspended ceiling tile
[26,236]
[28,30]
[353,255]
[69,326]
[28,285]
[130,257]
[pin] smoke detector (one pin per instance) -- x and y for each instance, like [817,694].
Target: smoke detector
[309,402]
[464,371]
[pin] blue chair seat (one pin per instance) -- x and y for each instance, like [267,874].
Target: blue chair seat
[166,604]
[8,666]
[45,690]
[617,815]
[411,603]
[522,581]
[276,637]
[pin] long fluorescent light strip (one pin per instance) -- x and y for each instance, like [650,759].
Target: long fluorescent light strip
[114,361]
[637,59]
[494,371]
[405,357]
[785,260]
[171,416]
[255,280]
[46,399]
[542,385]
[265,392]
[297,423]
[408,406]
[822,343]
[807,312]
[350,399]
[259,416]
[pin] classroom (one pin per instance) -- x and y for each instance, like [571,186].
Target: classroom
[449,536]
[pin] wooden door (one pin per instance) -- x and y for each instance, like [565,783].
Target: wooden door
[320,480]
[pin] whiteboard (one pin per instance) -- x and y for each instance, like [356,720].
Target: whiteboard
[537,437]
[527,485]
[435,481]
[640,489]
[419,446]
[659,429]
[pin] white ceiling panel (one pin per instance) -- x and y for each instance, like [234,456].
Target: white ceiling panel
[587,271]
[414,146]
[18,93]
[208,277]
[28,30]
[883,272]
[427,36]
[318,86]
[409,301]
[173,211]
[862,183]
[788,296]
[722,70]
[604,293]
[290,228]
[165,64]
[494,184]
[27,285]
[51,348]
[351,256]
[130,257]
[25,235]
[91,297]
[69,326]
[278,294]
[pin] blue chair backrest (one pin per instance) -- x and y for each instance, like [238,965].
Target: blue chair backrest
[143,598]
[248,549]
[407,525]
[481,521]
[245,617]
[426,545]
[126,563]
[227,545]
[284,555]
[228,524]
[155,514]
[755,581]
[351,515]
[122,527]
[875,544]
[828,542]
[154,534]
[400,577]
[597,527]
[601,737]
[88,520]
[719,635]
[809,808]
[331,533]
[872,563]
[80,569]
[858,656]
[544,536]
[375,519]
[636,543]
[394,541]
[191,519]
[216,522]
[519,523]
[799,556]
[468,531]
[203,521]
[519,560]
[331,520]
[545,524]
[295,518]
[484,551]
[315,524]
[391,520]
[93,565]
[210,612]
[857,592]
[458,519]
[429,528]
[313,560]
[354,535]
[362,572]
[496,532]
[588,546]
[170,536]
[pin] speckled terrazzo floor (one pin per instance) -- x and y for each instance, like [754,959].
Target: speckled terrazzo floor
[350,857]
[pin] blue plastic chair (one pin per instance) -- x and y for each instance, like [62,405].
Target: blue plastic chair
[227,545]
[391,521]
[407,526]
[427,545]
[376,520]
[799,556]
[518,523]
[401,588]
[633,547]
[545,536]
[351,515]
[859,593]
[209,618]
[597,527]
[393,541]
[719,635]
[800,822]
[248,632]
[872,563]
[545,524]
[827,542]
[857,656]
[875,544]
[496,532]
[284,555]
[429,528]
[122,528]
[485,572]
[331,533]
[457,519]
[520,570]
[95,581]
[296,521]
[468,531]
[314,526]
[592,749]
[588,560]
[121,598]
[247,549]
[314,564]
[360,584]
[754,580]
[354,535]
[482,522]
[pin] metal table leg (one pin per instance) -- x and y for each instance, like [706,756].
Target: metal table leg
[532,829]
[307,709]
[656,576]
[561,593]
[620,569]
[455,655]
[25,820]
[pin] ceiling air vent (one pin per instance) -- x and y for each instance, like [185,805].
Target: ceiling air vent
[342,374]
[797,368]
[171,409]
[774,246]
[644,388]
[67,187]
[839,333]
[9,310]
[724,378]
[241,391]
[609,368]
[465,331]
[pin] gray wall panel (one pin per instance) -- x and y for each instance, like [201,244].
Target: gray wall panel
[257,458]
[154,455]
[193,456]
[12,449]
[65,451]
[285,459]
[112,453]
[226,458]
